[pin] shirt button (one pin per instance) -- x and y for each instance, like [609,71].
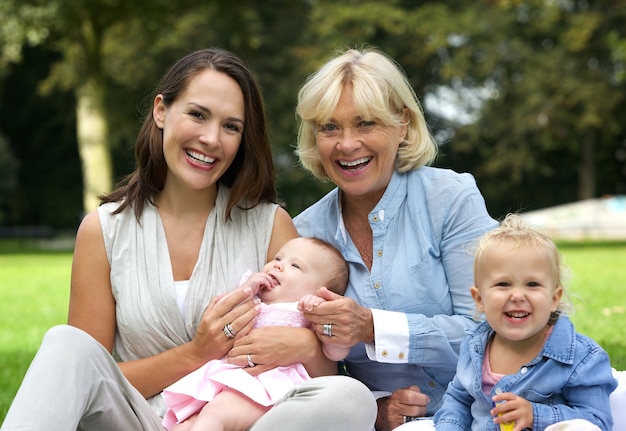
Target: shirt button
[384,353]
[375,218]
[376,285]
[379,253]
[524,370]
[432,384]
[401,355]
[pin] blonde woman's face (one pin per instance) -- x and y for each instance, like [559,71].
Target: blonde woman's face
[358,153]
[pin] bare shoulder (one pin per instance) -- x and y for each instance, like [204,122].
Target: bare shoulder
[90,225]
[89,238]
[282,231]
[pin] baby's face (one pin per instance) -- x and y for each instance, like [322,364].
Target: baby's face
[299,268]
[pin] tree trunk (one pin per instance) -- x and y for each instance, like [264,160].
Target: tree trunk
[587,167]
[93,146]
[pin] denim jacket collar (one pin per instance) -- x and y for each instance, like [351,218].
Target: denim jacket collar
[561,348]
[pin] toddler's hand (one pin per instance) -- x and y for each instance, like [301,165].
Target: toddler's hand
[512,412]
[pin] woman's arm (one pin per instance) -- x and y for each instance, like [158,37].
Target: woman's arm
[282,231]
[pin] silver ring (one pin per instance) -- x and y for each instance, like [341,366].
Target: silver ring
[409,418]
[250,363]
[229,331]
[328,329]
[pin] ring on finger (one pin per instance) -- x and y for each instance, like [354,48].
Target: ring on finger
[229,331]
[328,329]
[250,363]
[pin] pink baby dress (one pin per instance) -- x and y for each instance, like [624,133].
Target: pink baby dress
[188,395]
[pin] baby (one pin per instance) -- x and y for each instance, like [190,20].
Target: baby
[220,395]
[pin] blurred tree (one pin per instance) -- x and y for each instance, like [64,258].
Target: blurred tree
[40,131]
[527,95]
[93,38]
[114,51]
[554,102]
[8,182]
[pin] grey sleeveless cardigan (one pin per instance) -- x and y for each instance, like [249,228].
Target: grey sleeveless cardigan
[148,319]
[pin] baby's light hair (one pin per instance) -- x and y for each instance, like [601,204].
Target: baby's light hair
[514,232]
[339,273]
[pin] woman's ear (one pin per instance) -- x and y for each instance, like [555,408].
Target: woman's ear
[478,300]
[158,111]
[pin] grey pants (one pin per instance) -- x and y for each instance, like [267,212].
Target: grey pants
[74,384]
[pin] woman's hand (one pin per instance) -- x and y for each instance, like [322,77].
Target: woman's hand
[276,346]
[402,402]
[349,322]
[237,309]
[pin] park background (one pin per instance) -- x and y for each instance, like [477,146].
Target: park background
[527,95]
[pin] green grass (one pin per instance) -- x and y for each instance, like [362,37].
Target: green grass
[34,287]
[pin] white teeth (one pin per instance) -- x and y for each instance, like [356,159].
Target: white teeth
[518,315]
[200,157]
[355,162]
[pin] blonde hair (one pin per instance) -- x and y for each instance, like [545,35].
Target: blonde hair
[381,90]
[515,233]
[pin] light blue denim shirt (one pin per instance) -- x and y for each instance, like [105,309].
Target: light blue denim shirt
[571,378]
[424,229]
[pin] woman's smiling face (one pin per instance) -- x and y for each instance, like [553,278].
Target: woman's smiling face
[358,153]
[202,129]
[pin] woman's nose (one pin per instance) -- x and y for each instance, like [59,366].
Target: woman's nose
[210,134]
[349,139]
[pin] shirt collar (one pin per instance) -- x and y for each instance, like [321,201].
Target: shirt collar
[386,208]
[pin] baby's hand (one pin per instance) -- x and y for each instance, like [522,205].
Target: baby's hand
[308,302]
[258,281]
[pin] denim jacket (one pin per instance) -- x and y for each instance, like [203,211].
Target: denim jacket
[570,378]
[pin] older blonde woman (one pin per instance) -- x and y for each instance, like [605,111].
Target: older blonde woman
[404,228]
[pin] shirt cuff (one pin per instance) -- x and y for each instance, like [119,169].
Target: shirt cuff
[391,338]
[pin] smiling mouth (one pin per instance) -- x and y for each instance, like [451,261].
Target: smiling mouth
[200,157]
[354,165]
[517,315]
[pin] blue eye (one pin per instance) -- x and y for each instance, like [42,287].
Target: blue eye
[328,128]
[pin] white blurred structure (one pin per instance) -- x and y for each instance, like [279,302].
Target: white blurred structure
[602,219]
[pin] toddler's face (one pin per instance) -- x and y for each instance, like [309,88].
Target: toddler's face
[517,290]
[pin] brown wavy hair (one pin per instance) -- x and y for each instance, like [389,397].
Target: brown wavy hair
[251,176]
